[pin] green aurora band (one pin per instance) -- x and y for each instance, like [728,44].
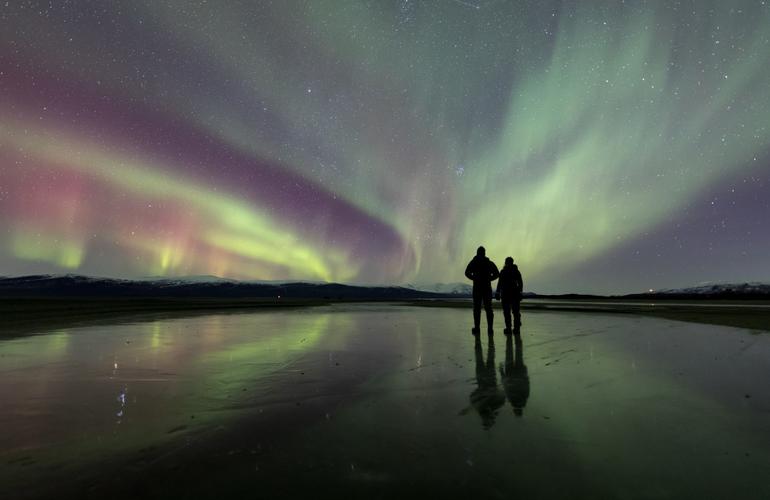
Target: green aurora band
[553,133]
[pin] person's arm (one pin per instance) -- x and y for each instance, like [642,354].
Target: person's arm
[493,272]
[469,271]
[519,282]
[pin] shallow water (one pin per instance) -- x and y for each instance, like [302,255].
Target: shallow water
[383,401]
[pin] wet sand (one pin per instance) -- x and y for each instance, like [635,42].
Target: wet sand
[382,400]
[29,316]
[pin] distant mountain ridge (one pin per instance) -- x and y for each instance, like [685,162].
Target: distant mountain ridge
[745,290]
[74,285]
[443,288]
[752,287]
[78,286]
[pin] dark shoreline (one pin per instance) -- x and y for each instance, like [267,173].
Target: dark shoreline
[29,316]
[750,314]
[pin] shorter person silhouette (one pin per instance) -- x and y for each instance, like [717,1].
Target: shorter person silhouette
[482,272]
[509,290]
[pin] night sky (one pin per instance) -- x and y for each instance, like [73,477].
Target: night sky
[607,146]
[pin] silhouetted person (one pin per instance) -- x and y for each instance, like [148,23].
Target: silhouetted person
[509,290]
[487,399]
[515,377]
[483,272]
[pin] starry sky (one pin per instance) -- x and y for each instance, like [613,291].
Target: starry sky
[607,146]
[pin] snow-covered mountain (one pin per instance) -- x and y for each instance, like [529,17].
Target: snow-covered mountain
[749,288]
[207,278]
[443,288]
[203,278]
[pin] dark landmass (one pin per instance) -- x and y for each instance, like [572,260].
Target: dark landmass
[32,304]
[28,316]
[212,287]
[721,291]
[75,286]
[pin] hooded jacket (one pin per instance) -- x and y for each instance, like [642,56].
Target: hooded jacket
[511,283]
[482,271]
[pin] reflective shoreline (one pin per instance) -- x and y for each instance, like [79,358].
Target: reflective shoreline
[379,398]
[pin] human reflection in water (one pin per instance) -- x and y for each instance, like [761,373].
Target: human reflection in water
[514,375]
[487,399]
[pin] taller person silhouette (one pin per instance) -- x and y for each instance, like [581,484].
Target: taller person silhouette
[482,272]
[487,399]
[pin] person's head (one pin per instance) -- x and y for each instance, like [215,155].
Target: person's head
[481,251]
[509,261]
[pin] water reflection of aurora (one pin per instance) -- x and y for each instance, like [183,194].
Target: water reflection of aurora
[165,371]
[378,387]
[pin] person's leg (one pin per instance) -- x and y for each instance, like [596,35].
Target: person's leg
[507,313]
[488,308]
[517,313]
[476,308]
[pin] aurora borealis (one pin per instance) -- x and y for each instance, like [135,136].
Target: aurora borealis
[607,146]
